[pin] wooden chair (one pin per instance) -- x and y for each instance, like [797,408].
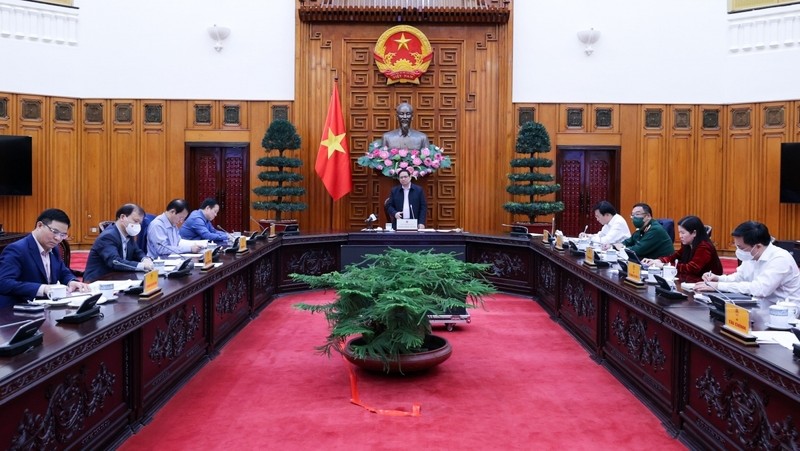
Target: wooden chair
[64,252]
[104,224]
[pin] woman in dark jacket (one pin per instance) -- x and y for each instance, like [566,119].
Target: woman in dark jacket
[697,254]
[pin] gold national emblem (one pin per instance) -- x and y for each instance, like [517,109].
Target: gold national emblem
[403,54]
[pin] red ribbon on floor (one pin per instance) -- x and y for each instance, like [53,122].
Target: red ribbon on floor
[416,409]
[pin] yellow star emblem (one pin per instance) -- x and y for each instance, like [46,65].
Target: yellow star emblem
[402,41]
[333,143]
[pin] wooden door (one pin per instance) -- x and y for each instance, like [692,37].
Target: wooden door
[220,171]
[587,175]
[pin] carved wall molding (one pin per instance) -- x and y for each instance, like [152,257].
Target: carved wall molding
[93,113]
[547,276]
[181,328]
[743,410]
[70,403]
[578,298]
[404,11]
[504,264]
[633,335]
[63,112]
[732,353]
[31,110]
[263,274]
[314,262]
[233,295]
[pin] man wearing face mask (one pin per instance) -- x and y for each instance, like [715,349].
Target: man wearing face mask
[767,271]
[115,250]
[649,240]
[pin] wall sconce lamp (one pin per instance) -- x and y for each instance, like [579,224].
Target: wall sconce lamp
[588,37]
[218,34]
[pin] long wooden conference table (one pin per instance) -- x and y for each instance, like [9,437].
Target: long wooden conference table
[92,385]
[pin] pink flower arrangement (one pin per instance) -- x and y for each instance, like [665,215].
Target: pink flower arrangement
[420,162]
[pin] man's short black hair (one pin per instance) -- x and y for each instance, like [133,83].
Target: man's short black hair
[644,207]
[752,233]
[209,202]
[53,214]
[605,208]
[128,210]
[179,205]
[403,170]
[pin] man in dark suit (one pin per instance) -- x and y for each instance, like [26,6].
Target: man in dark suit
[29,267]
[407,201]
[115,249]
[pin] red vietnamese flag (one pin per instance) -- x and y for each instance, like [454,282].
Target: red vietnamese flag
[333,157]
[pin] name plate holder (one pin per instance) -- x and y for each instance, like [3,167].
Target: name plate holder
[150,284]
[242,245]
[588,259]
[208,261]
[546,237]
[560,243]
[634,277]
[737,325]
[407,225]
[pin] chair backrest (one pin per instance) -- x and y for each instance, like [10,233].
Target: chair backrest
[791,246]
[386,209]
[668,225]
[141,238]
[64,252]
[708,230]
[104,224]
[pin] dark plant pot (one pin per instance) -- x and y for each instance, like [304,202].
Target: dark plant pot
[439,350]
[535,227]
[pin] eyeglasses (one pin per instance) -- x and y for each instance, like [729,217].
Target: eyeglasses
[57,233]
[637,215]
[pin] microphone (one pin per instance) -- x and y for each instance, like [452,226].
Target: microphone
[124,265]
[411,209]
[257,223]
[219,227]
[721,293]
[371,218]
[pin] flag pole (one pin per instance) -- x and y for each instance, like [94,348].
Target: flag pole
[333,202]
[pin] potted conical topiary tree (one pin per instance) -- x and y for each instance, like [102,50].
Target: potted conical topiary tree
[281,136]
[532,139]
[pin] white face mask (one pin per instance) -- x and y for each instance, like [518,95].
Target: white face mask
[133,229]
[744,255]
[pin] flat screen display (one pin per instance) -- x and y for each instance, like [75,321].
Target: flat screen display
[790,173]
[16,165]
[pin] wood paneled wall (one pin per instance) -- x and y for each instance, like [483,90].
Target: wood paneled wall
[92,155]
[463,103]
[719,162]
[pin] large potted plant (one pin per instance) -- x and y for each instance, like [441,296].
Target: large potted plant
[384,302]
[281,136]
[534,183]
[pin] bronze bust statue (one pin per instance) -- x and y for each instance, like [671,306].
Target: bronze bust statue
[405,137]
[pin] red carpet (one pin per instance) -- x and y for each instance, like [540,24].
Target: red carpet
[516,380]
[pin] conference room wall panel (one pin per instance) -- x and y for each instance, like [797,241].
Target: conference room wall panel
[724,170]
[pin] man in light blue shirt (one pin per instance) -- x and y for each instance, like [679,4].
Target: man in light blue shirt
[163,237]
[198,224]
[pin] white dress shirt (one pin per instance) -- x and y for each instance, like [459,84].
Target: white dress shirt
[774,276]
[614,232]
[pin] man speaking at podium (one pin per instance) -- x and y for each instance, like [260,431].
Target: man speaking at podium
[407,201]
